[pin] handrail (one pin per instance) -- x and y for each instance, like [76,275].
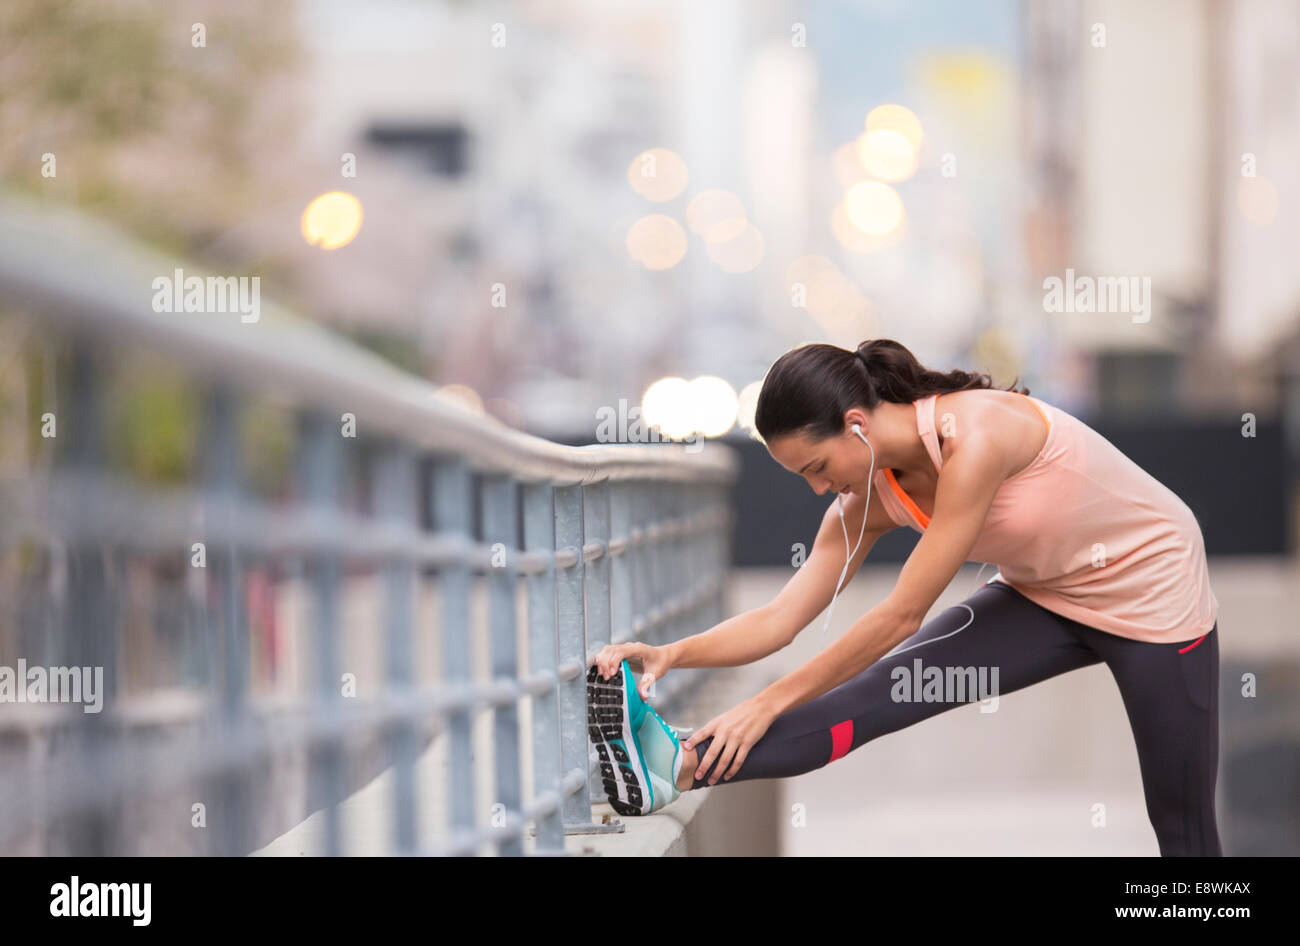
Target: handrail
[613,543]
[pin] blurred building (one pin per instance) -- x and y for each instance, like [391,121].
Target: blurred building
[1162,140]
[493,145]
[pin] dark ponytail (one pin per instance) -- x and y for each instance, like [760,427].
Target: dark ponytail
[810,388]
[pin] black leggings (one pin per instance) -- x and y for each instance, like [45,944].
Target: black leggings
[1170,692]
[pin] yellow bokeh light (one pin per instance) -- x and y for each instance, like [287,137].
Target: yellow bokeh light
[849,236]
[873,207]
[666,405]
[713,405]
[331,220]
[657,241]
[886,154]
[658,174]
[896,118]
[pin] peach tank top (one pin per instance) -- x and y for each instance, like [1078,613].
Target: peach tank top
[1086,533]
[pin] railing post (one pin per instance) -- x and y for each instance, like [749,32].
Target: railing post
[91,638]
[223,474]
[620,564]
[451,502]
[722,558]
[679,580]
[498,505]
[595,531]
[654,561]
[572,642]
[638,560]
[320,479]
[396,504]
[543,657]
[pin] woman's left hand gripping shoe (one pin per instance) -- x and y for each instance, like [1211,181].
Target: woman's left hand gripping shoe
[640,755]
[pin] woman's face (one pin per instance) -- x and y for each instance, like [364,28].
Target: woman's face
[829,466]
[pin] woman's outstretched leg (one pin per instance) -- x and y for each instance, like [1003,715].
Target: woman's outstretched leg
[997,636]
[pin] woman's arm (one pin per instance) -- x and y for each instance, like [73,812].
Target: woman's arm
[761,631]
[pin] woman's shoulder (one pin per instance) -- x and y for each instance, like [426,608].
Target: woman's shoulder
[1007,418]
[981,404]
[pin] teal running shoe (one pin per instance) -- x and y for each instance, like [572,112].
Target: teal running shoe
[640,754]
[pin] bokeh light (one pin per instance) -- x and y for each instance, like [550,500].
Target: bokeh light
[713,405]
[657,241]
[332,220]
[874,207]
[849,236]
[886,154]
[716,215]
[899,119]
[666,405]
[658,174]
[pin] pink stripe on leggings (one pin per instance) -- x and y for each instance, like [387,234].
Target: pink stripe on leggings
[841,739]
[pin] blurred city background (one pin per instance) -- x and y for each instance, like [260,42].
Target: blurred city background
[564,213]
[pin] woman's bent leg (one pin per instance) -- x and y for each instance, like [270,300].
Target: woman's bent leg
[1171,695]
[996,642]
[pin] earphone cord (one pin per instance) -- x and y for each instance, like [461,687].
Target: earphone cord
[866,507]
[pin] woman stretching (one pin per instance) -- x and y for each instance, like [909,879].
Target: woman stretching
[1097,560]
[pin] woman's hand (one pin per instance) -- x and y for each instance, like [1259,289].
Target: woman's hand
[649,661]
[734,732]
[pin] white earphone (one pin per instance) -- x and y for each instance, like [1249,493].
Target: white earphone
[839,499]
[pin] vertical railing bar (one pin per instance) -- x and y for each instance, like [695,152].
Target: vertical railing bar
[637,557]
[722,561]
[620,567]
[573,647]
[320,475]
[223,475]
[595,529]
[395,503]
[92,832]
[499,522]
[452,491]
[543,657]
[658,585]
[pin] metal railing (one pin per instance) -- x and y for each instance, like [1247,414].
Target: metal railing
[610,543]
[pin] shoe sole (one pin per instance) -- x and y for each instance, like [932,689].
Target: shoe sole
[610,730]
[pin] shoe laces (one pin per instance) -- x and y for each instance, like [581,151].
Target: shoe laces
[672,729]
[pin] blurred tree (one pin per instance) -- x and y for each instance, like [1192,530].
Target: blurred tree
[147,129]
[164,138]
